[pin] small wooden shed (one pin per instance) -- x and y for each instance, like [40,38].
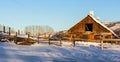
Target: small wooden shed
[90,28]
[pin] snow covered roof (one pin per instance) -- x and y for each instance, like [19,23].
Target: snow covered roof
[103,25]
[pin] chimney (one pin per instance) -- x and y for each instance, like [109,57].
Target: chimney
[98,18]
[91,13]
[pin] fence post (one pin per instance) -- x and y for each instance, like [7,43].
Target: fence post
[74,43]
[9,31]
[102,44]
[15,41]
[28,37]
[38,37]
[60,42]
[4,29]
[18,32]
[101,41]
[49,39]
[73,39]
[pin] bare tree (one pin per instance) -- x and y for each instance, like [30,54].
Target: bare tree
[36,30]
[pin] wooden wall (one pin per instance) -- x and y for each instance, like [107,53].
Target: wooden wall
[79,30]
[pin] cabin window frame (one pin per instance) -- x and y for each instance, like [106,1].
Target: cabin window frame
[89,27]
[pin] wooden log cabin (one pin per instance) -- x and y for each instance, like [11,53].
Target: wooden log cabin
[91,29]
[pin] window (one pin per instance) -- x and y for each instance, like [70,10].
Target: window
[89,27]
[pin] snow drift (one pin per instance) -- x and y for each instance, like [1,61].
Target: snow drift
[83,52]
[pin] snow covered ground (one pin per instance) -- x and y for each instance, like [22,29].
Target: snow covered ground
[83,52]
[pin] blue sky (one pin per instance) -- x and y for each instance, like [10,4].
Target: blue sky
[59,14]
